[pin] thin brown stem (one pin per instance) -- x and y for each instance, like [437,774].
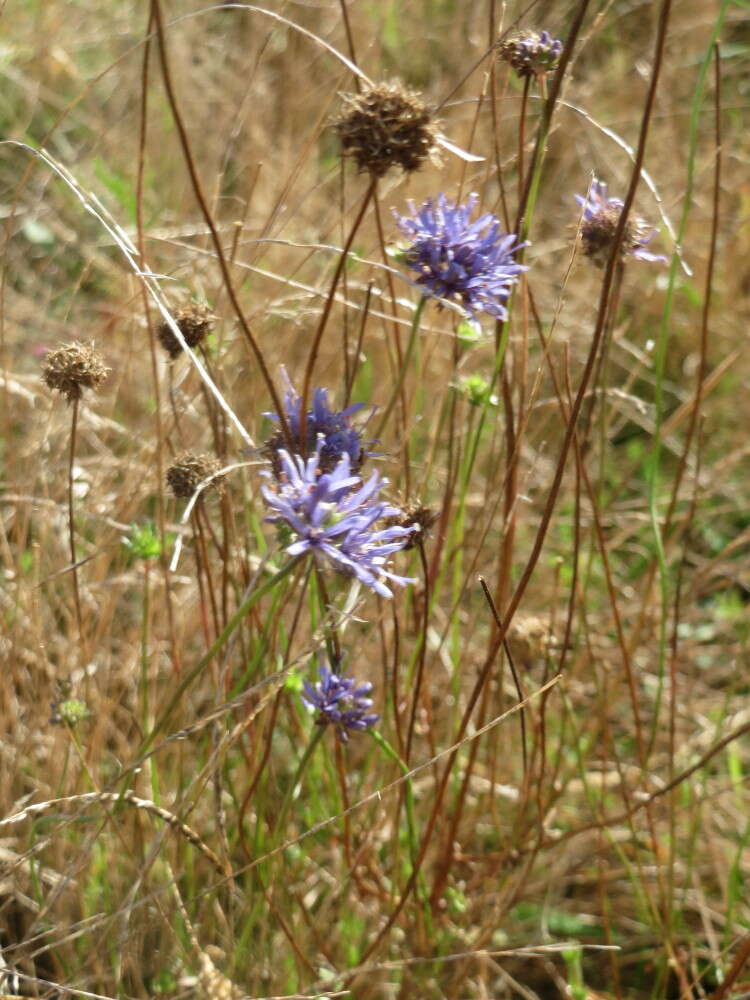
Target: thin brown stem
[205,211]
[324,317]
[71,523]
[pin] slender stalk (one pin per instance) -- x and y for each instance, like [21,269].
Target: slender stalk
[326,313]
[71,523]
[205,211]
[413,335]
[297,779]
[217,646]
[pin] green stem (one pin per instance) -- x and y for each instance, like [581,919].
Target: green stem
[217,646]
[411,825]
[413,334]
[297,779]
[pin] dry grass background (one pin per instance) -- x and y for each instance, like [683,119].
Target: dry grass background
[104,895]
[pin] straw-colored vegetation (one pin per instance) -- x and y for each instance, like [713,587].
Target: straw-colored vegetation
[172,822]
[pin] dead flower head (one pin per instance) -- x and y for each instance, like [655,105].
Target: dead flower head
[194,323]
[187,472]
[386,126]
[73,367]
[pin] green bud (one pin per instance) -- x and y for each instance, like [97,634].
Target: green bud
[143,541]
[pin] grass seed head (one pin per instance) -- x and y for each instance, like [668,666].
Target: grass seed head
[73,367]
[386,126]
[194,323]
[186,474]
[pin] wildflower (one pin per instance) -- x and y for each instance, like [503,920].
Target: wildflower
[73,367]
[186,474]
[601,215]
[530,54]
[339,436]
[193,322]
[341,702]
[384,127]
[333,515]
[467,262]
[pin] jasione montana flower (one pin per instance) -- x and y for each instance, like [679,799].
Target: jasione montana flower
[340,435]
[341,702]
[333,515]
[470,263]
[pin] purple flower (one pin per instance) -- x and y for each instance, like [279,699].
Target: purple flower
[601,215]
[333,515]
[340,702]
[339,436]
[466,262]
[531,54]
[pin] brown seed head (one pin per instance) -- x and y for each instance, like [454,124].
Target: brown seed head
[71,368]
[186,474]
[194,323]
[597,235]
[384,127]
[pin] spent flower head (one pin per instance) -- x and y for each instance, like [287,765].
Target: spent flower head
[188,471]
[601,215]
[194,323]
[470,263]
[340,436]
[71,368]
[531,54]
[341,702]
[386,126]
[334,515]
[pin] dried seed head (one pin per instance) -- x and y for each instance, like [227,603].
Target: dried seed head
[186,474]
[530,54]
[384,127]
[597,235]
[420,519]
[71,368]
[599,221]
[194,323]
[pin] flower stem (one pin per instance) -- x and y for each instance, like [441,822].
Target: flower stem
[296,780]
[324,319]
[71,524]
[216,647]
[411,826]
[416,319]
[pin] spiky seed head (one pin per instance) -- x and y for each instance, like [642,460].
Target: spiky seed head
[194,323]
[186,474]
[531,54]
[386,126]
[73,367]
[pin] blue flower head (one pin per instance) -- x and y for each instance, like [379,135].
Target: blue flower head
[341,702]
[601,214]
[340,436]
[530,54]
[333,515]
[470,263]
